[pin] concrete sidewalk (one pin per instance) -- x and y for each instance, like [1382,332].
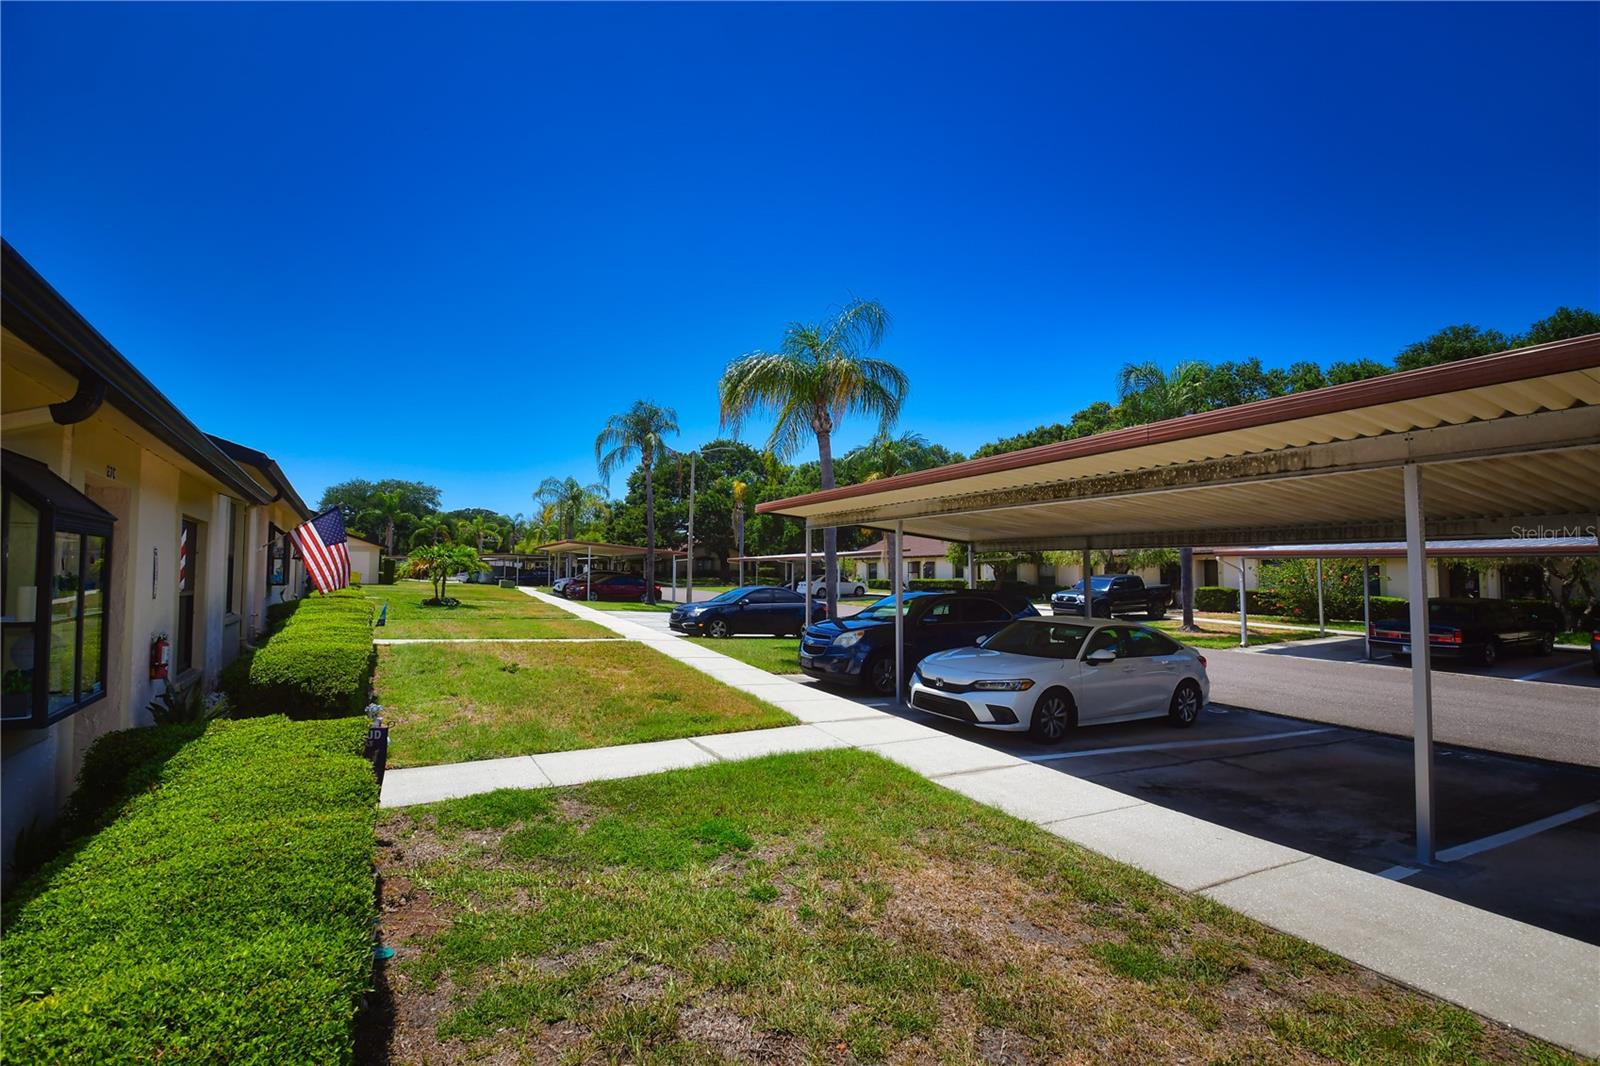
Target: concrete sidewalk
[1537,981]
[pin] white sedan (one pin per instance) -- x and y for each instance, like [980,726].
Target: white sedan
[1047,676]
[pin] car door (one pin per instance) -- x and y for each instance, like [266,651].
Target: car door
[1107,690]
[1154,668]
[787,611]
[757,612]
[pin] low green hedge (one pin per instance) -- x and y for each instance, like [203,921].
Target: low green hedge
[318,665]
[224,916]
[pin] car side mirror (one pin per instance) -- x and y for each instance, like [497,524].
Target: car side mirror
[744,602]
[1101,657]
[981,641]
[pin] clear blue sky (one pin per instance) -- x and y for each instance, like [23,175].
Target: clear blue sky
[493,225]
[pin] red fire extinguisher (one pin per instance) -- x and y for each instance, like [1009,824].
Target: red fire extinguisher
[160,657]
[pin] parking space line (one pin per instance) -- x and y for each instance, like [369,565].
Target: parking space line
[1537,674]
[1173,745]
[1498,840]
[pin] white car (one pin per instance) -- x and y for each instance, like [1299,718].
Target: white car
[1046,676]
[819,588]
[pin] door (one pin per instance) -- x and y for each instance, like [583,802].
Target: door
[759,612]
[1154,670]
[1107,690]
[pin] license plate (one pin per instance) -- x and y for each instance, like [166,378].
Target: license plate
[805,660]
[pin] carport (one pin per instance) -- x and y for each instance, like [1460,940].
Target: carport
[590,550]
[1501,446]
[790,560]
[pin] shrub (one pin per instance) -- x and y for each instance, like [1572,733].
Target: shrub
[386,567]
[225,916]
[1219,600]
[1390,607]
[319,665]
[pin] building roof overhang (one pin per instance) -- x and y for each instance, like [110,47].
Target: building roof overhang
[1505,439]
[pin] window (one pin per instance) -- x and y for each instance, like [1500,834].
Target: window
[234,532]
[943,611]
[872,571]
[277,557]
[983,611]
[1208,573]
[912,568]
[56,557]
[1106,638]
[188,565]
[958,569]
[1141,643]
[928,568]
[762,596]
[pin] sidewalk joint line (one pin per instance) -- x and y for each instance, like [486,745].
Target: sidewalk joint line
[1252,873]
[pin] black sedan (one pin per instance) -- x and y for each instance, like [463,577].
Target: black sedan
[751,609]
[1479,630]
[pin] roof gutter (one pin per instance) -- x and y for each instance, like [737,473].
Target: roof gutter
[40,316]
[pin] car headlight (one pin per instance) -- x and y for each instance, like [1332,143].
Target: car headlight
[845,640]
[1020,684]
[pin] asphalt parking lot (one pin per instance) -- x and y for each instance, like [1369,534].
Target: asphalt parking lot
[1521,835]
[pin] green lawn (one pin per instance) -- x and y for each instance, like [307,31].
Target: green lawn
[485,611]
[777,655]
[615,605]
[1342,626]
[833,907]
[1215,636]
[451,703]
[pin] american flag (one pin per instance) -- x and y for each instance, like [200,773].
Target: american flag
[322,544]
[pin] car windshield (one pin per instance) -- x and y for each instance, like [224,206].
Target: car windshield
[881,611]
[1100,583]
[1454,613]
[1044,640]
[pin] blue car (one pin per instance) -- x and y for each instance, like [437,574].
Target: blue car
[859,650]
[751,609]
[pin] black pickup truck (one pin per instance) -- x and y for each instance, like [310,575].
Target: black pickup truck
[1115,594]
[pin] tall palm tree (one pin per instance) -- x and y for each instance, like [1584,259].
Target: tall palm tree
[478,529]
[638,433]
[1147,393]
[431,529]
[387,510]
[820,373]
[740,488]
[568,504]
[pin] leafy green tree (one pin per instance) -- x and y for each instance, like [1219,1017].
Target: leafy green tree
[432,529]
[571,505]
[359,495]
[820,373]
[478,530]
[1096,418]
[639,433]
[1451,344]
[1356,370]
[1563,324]
[386,512]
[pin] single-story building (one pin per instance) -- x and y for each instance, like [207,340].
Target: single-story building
[139,552]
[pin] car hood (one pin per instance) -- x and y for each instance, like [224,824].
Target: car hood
[969,664]
[833,628]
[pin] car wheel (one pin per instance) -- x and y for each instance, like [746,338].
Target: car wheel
[1185,706]
[880,675]
[1053,717]
[717,628]
[1489,655]
[1547,644]
[1156,613]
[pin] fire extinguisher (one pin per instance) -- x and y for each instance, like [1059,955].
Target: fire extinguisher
[160,657]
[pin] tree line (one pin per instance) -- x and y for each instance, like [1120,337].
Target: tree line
[796,395]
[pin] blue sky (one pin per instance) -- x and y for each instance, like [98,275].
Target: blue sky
[496,224]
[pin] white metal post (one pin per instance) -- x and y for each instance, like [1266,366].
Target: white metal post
[688,577]
[1244,610]
[972,575]
[588,578]
[1421,666]
[899,612]
[1088,593]
[1366,605]
[1322,621]
[806,577]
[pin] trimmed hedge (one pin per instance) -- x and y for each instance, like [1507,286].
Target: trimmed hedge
[225,916]
[318,665]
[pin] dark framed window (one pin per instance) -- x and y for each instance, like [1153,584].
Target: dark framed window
[188,565]
[233,545]
[57,560]
[277,557]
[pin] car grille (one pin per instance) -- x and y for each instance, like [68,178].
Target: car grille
[927,701]
[945,686]
[812,646]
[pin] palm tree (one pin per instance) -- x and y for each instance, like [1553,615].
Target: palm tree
[739,490]
[478,529]
[819,374]
[638,432]
[1148,393]
[387,510]
[432,529]
[885,456]
[568,505]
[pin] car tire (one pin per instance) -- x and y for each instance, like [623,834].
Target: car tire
[878,674]
[1185,706]
[1055,715]
[1489,655]
[1547,644]
[718,628]
[1400,656]
[1156,614]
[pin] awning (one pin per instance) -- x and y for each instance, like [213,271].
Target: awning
[600,548]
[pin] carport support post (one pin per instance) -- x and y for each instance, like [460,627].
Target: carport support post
[808,574]
[1088,594]
[588,578]
[1366,604]
[1421,666]
[972,575]
[1322,621]
[899,611]
[1244,609]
